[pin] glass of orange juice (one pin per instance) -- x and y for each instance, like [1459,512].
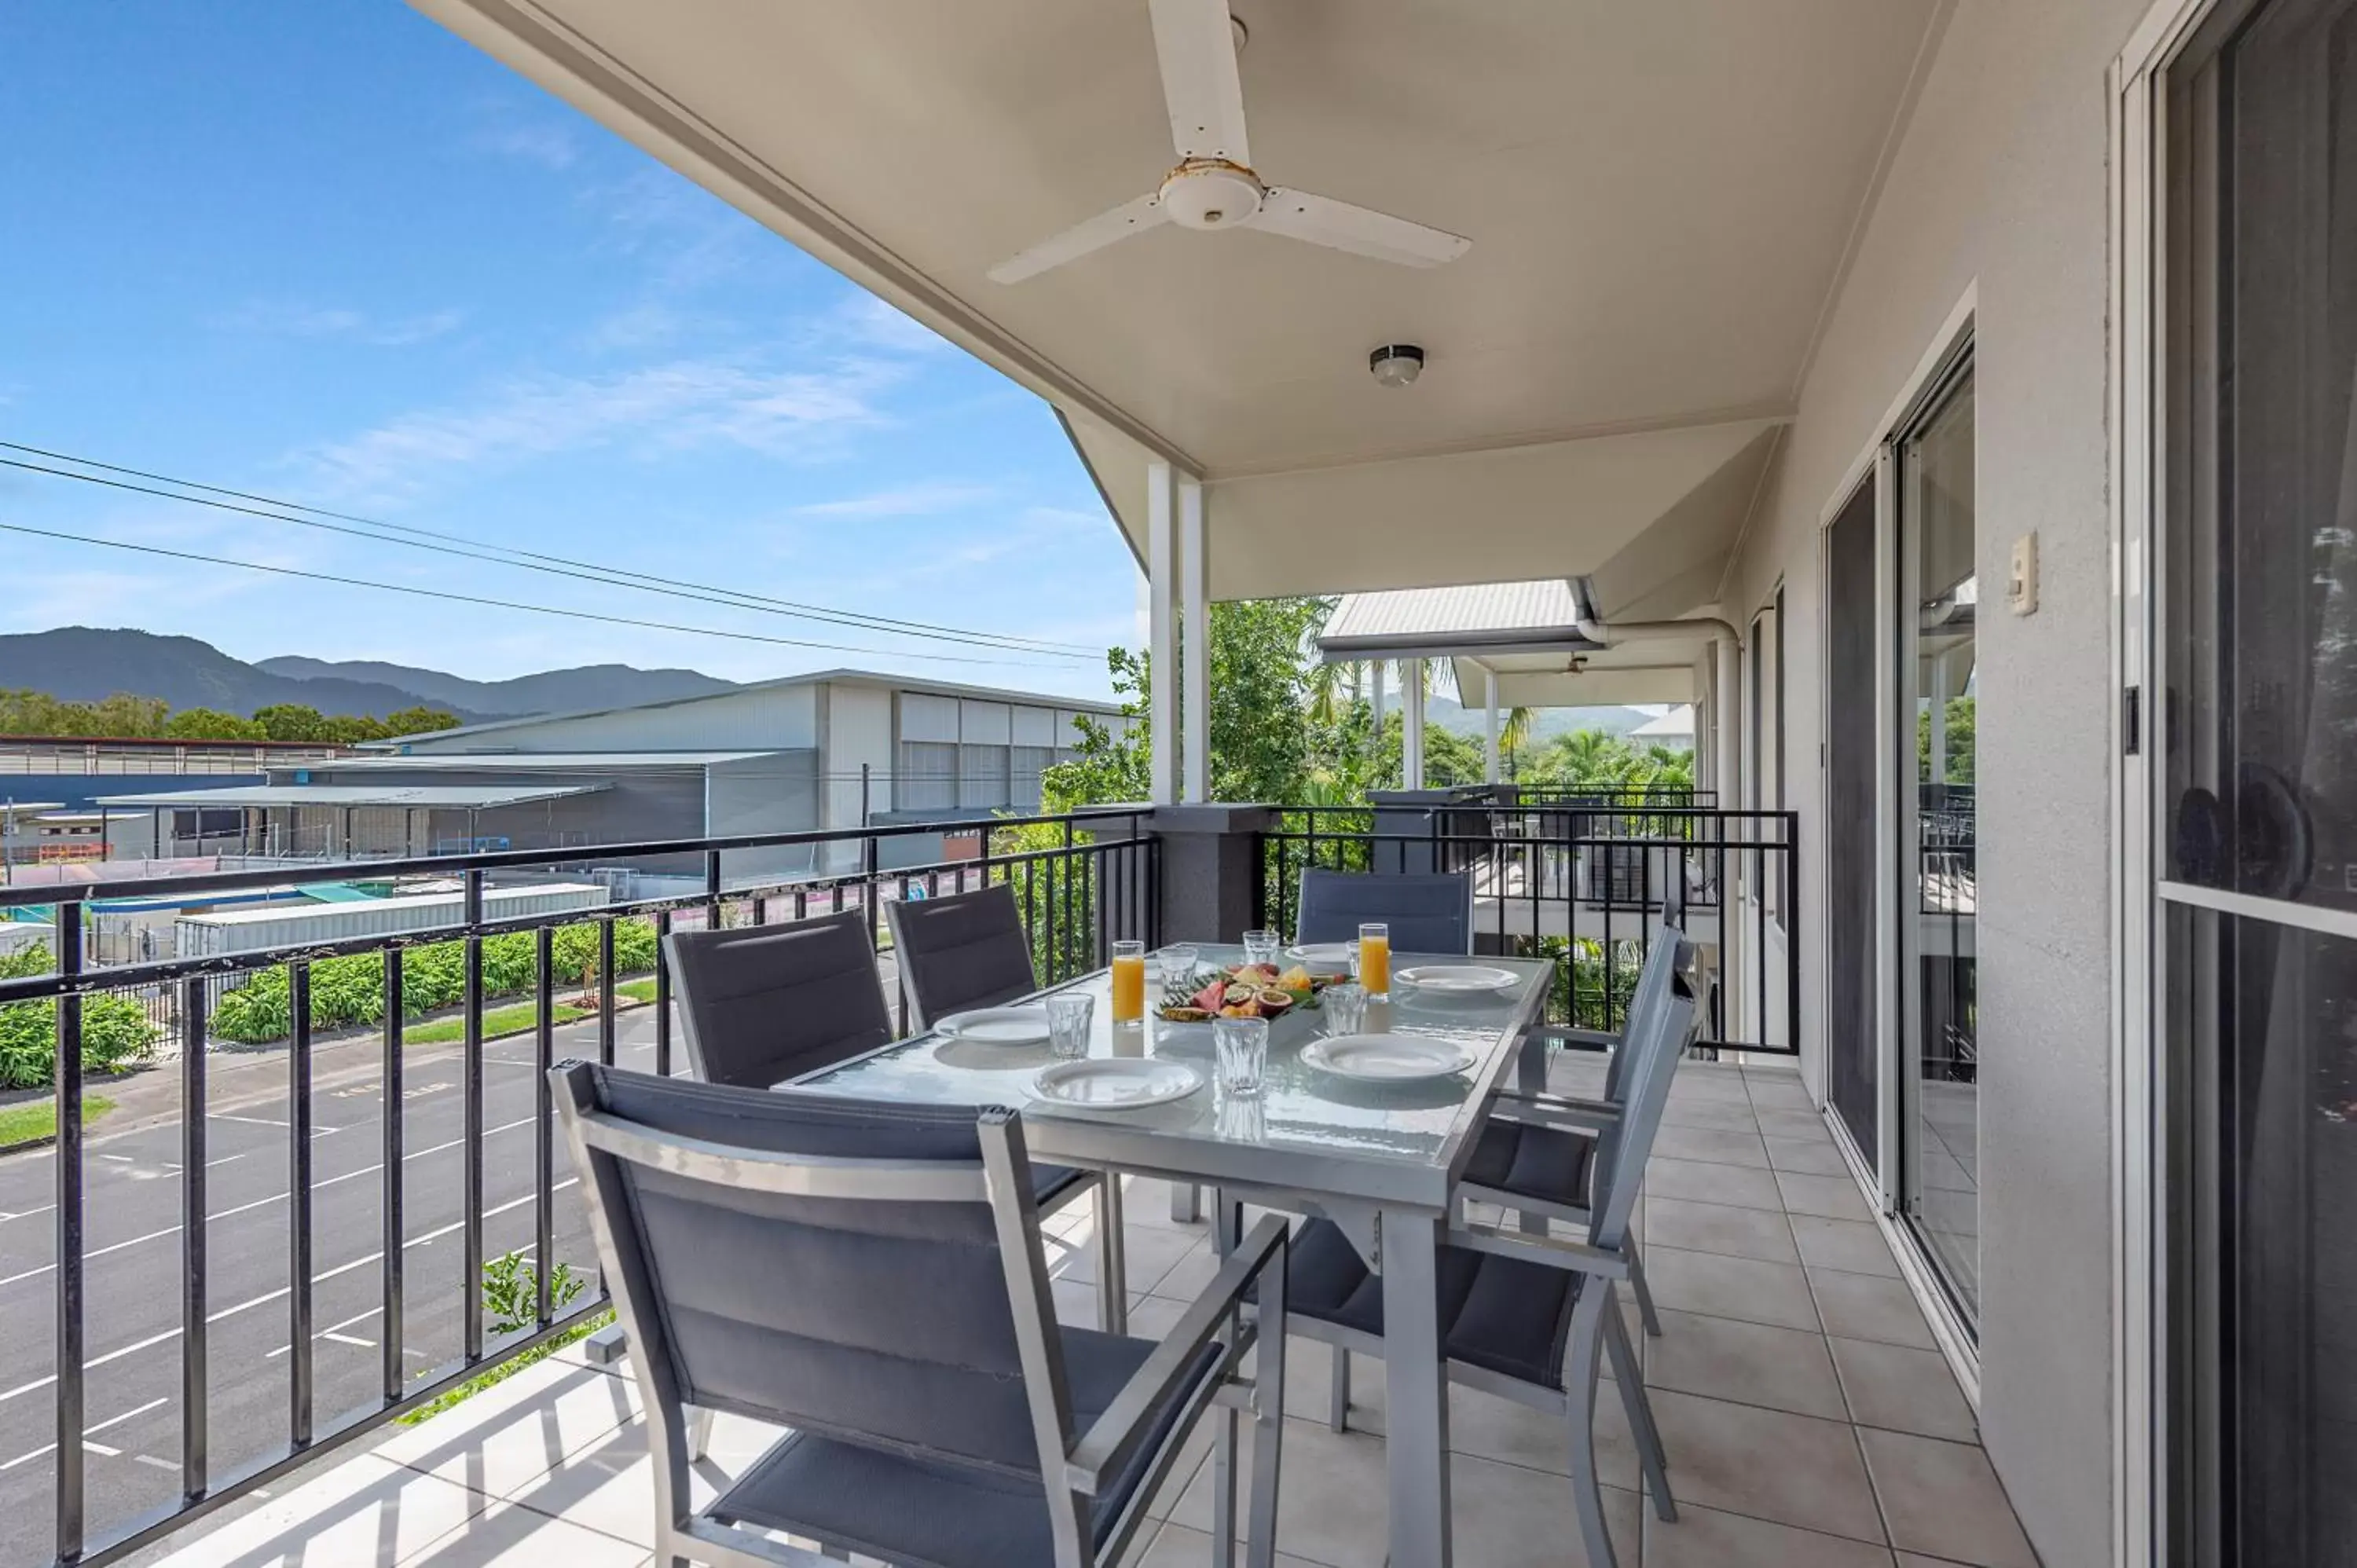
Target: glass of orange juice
[1372,966]
[1128,981]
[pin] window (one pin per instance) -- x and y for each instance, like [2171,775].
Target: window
[928,778]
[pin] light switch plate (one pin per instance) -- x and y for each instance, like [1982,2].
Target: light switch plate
[2021,576]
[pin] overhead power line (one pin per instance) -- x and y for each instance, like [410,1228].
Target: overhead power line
[509,604]
[527,559]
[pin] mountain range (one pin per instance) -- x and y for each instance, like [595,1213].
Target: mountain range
[82,664]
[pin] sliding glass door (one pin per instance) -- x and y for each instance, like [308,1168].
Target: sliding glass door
[1853,1031]
[1938,605]
[2257,818]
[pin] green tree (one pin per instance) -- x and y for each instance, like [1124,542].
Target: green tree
[348,729]
[292,721]
[1265,742]
[1961,729]
[210,723]
[419,721]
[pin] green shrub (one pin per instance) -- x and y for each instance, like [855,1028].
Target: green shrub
[512,1304]
[351,990]
[115,1031]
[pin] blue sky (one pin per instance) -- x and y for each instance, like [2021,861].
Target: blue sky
[329,252]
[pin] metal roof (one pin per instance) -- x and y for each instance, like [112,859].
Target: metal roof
[415,797]
[1409,623]
[544,761]
[1097,705]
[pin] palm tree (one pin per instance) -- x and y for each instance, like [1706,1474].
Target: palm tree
[1330,693]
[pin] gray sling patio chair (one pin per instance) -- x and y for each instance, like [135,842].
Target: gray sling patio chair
[1536,1153]
[1428,911]
[869,1274]
[1525,1317]
[968,949]
[760,1005]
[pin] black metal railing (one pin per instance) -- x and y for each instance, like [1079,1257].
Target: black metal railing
[178,1442]
[1588,885]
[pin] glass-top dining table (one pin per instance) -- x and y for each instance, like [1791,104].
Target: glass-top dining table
[1380,1160]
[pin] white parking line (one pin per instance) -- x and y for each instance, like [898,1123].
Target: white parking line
[154,1339]
[93,1447]
[220,1214]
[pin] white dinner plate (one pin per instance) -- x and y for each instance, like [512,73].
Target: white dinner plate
[1457,977]
[996,1025]
[1117,1083]
[1388,1058]
[1334,954]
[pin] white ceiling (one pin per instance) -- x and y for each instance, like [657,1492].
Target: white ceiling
[1660,197]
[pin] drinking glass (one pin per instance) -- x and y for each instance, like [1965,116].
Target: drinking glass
[1243,1045]
[1261,946]
[1345,1006]
[1371,966]
[1241,1121]
[1068,1015]
[1128,981]
[1177,962]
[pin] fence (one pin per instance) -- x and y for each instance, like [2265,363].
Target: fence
[1083,880]
[1588,882]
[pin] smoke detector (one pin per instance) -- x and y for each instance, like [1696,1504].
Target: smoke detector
[1396,364]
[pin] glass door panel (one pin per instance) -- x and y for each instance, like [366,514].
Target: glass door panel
[2258,818]
[1938,1058]
[1851,1031]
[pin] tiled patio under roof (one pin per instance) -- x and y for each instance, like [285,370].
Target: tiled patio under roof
[1809,1421]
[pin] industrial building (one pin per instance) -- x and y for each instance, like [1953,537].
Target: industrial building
[833,749]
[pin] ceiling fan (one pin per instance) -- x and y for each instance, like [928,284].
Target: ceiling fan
[1213,185]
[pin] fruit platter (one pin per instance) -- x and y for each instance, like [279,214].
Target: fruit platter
[1241,990]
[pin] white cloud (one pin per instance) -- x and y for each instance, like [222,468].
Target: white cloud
[909,501]
[284,319]
[638,326]
[546,143]
[869,320]
[677,406]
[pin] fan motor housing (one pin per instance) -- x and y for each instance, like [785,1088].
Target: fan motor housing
[1210,193]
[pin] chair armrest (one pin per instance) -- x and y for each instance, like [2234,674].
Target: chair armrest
[1106,1446]
[1557,1110]
[1579,1257]
[1564,1034]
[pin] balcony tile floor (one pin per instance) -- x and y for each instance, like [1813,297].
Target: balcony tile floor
[1809,1422]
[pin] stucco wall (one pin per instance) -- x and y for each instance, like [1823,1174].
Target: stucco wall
[2001,185]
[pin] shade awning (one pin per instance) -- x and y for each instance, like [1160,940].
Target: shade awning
[413,797]
[1441,623]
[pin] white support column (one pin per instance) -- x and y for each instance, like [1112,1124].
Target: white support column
[1490,769]
[1162,632]
[1195,643]
[1375,707]
[1412,724]
[1729,747]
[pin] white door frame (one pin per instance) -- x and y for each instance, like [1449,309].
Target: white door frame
[1884,1178]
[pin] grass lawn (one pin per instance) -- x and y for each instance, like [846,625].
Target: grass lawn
[636,990]
[514,1019]
[24,1123]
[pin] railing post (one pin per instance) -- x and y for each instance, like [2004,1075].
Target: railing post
[69,1348]
[471,1115]
[298,1206]
[194,1380]
[1207,883]
[543,1041]
[391,1372]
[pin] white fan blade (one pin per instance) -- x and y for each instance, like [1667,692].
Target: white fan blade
[1322,220]
[1196,43]
[1130,217]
